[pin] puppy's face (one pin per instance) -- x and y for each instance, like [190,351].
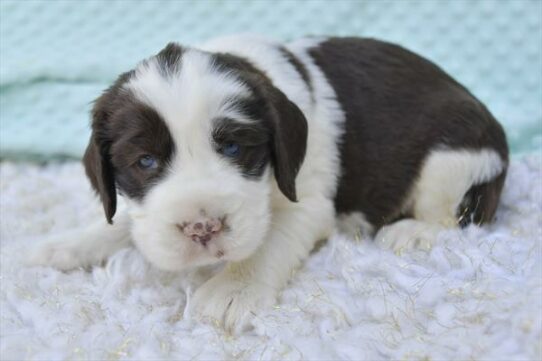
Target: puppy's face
[194,141]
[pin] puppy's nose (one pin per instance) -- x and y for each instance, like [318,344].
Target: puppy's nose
[202,230]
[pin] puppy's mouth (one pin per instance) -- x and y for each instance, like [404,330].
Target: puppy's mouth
[214,248]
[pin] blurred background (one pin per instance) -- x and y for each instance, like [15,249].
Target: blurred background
[57,56]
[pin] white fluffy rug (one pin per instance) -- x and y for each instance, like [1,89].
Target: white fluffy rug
[476,295]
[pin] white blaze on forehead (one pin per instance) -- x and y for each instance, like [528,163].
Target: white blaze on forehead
[191,97]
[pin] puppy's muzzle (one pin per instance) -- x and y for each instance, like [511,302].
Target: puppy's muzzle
[203,229]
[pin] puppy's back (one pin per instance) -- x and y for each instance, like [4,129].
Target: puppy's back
[398,108]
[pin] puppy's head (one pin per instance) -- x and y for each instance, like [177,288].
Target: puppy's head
[194,141]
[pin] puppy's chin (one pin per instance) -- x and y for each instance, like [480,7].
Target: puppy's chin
[166,248]
[173,252]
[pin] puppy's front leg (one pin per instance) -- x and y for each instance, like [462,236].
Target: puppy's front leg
[82,247]
[233,296]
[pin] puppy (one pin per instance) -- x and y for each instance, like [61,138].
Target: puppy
[247,151]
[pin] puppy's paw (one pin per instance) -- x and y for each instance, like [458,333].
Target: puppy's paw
[231,303]
[63,254]
[408,234]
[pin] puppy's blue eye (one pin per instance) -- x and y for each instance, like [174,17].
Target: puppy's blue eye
[231,150]
[147,162]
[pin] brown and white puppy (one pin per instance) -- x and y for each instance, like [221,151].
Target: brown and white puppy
[247,152]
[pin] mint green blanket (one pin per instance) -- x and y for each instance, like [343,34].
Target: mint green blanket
[57,56]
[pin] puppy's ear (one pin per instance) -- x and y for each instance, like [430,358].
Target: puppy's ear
[97,161]
[289,141]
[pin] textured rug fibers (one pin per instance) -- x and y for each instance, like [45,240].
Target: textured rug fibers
[477,294]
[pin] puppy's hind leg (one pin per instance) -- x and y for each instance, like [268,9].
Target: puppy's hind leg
[455,187]
[82,247]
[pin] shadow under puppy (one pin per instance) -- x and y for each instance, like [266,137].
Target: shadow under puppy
[249,151]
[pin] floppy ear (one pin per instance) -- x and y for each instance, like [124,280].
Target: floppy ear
[289,141]
[98,166]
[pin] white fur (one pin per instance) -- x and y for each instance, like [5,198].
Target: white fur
[320,170]
[444,179]
[244,287]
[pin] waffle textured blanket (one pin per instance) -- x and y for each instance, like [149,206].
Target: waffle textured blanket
[477,294]
[57,56]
